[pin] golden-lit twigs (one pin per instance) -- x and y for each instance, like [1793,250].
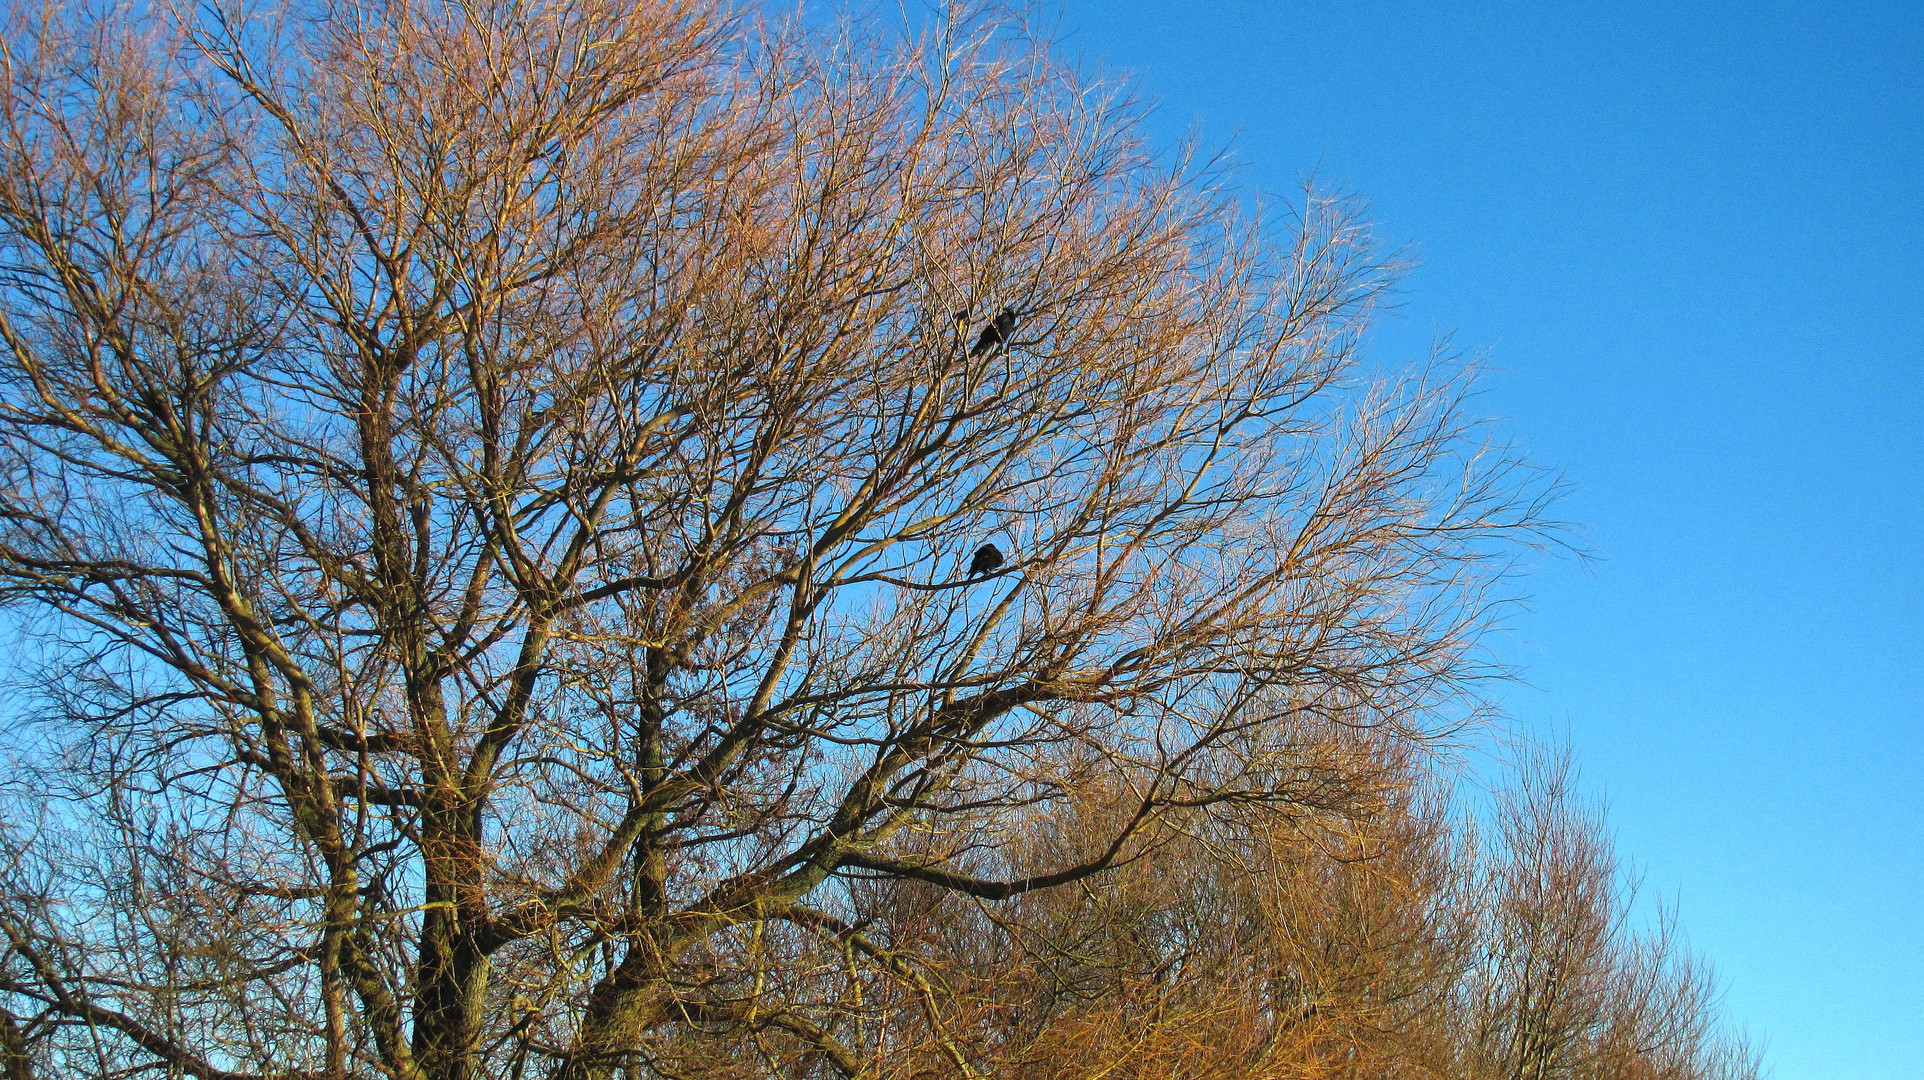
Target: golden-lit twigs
[484,495]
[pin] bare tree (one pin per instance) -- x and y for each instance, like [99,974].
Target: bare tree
[1381,935]
[1268,942]
[1566,986]
[487,494]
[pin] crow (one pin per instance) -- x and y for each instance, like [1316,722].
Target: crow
[987,558]
[996,333]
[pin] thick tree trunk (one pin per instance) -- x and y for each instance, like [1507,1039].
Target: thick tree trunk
[454,982]
[452,978]
[620,1010]
[13,1048]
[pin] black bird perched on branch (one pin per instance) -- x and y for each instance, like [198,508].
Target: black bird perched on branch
[987,558]
[996,333]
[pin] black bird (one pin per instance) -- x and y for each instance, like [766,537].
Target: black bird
[987,558]
[996,333]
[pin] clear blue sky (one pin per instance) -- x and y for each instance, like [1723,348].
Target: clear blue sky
[1688,240]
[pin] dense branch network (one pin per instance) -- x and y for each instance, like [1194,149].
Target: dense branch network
[488,487]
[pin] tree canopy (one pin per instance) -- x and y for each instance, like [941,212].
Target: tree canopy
[487,494]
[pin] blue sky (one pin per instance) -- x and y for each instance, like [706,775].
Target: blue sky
[1687,241]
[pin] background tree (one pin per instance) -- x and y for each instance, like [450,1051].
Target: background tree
[487,492]
[1387,936]
[1565,985]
